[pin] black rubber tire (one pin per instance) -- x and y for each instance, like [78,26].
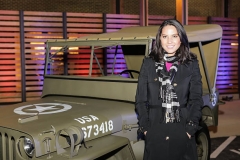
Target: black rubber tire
[203,142]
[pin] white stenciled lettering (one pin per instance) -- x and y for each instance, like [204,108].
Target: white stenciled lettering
[89,130]
[87,118]
[105,127]
[94,117]
[84,132]
[96,130]
[101,129]
[110,125]
[80,120]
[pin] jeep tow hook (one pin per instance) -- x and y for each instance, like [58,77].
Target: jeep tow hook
[130,126]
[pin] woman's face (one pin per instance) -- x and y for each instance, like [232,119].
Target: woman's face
[170,39]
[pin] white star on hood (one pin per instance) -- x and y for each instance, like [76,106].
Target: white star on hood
[42,109]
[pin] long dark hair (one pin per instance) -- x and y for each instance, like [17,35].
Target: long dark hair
[183,51]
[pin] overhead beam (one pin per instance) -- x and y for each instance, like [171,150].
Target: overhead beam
[143,12]
[182,11]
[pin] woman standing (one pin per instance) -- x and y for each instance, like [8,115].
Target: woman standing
[169,96]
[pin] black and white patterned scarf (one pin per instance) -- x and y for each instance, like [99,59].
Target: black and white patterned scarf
[170,103]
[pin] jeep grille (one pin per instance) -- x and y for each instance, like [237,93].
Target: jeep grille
[7,147]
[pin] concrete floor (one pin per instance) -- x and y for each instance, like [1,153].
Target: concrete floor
[228,120]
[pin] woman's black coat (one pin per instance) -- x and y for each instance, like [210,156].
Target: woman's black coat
[188,87]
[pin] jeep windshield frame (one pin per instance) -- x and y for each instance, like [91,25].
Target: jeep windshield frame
[64,45]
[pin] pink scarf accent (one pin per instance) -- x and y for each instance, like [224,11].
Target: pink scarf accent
[168,65]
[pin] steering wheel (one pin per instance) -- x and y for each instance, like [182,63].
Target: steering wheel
[129,71]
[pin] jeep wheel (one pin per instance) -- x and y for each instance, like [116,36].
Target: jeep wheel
[203,142]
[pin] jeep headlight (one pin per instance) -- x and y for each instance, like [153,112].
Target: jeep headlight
[28,146]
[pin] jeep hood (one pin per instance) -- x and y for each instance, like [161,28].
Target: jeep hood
[105,116]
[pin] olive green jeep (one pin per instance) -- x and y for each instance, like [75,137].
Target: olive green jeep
[93,117]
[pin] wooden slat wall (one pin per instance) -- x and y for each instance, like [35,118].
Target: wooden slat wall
[78,25]
[227,77]
[10,66]
[38,27]
[157,20]
[115,22]
[197,20]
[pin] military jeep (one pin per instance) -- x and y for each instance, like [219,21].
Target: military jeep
[93,117]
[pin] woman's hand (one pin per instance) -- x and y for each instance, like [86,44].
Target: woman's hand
[145,133]
[189,136]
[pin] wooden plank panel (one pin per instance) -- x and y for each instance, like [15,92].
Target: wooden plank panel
[14,40]
[45,29]
[77,35]
[43,35]
[228,50]
[10,89]
[39,27]
[89,30]
[9,18]
[193,20]
[10,28]
[47,14]
[127,21]
[120,25]
[34,83]
[42,24]
[9,23]
[34,67]
[10,100]
[81,66]
[157,20]
[5,73]
[85,20]
[10,95]
[93,15]
[224,19]
[38,88]
[227,86]
[122,16]
[9,56]
[83,71]
[85,25]
[9,67]
[227,82]
[10,78]
[227,78]
[10,62]
[43,19]
[223,73]
[160,17]
[9,12]
[10,83]
[8,45]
